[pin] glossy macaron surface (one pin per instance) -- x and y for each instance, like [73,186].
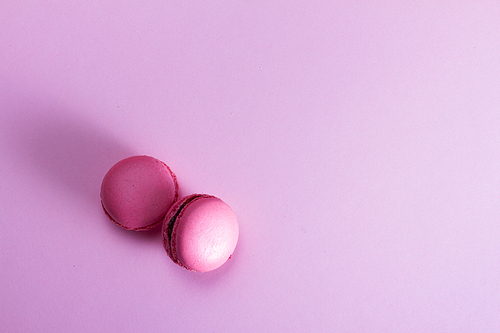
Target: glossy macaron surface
[137,192]
[200,232]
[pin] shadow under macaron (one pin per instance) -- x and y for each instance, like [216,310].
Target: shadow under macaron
[56,144]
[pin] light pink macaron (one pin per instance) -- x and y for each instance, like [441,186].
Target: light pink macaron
[137,192]
[200,232]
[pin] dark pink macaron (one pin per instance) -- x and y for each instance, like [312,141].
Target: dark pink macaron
[137,192]
[200,232]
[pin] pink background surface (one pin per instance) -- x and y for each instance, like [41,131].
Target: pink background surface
[357,142]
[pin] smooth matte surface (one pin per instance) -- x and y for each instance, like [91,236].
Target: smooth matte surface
[137,192]
[357,142]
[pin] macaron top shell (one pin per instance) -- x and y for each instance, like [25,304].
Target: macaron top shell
[137,192]
[200,232]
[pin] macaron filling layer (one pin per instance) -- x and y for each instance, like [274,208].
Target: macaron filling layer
[173,216]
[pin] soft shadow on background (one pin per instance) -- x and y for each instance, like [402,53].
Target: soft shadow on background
[62,148]
[71,152]
[51,138]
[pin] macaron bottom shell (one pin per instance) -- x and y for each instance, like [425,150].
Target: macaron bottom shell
[200,232]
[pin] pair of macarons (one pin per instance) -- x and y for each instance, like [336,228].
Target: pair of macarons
[200,231]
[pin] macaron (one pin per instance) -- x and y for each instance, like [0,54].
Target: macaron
[137,192]
[200,232]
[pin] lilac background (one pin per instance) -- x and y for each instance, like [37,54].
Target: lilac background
[357,142]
